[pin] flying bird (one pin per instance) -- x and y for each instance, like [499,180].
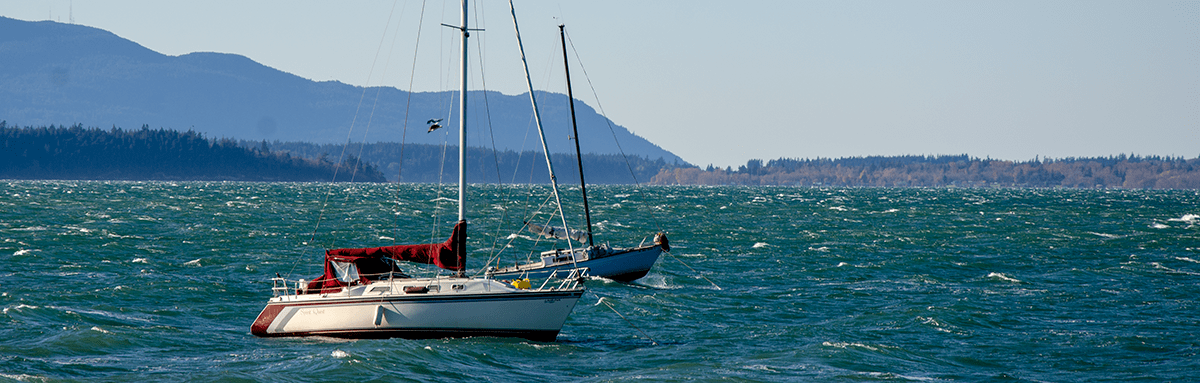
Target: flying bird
[433,124]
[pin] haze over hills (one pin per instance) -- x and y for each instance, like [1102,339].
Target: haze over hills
[54,74]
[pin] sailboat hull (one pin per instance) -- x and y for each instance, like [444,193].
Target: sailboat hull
[624,265]
[448,310]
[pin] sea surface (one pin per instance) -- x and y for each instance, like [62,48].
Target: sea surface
[160,281]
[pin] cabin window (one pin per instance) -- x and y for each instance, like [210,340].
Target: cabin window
[345,271]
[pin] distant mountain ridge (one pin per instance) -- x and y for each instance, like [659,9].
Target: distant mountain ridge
[54,73]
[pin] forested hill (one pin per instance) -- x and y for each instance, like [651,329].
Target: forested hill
[437,163]
[55,72]
[1128,172]
[77,153]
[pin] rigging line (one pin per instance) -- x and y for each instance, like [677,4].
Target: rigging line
[541,130]
[510,191]
[450,102]
[525,223]
[496,256]
[436,217]
[614,309]
[412,75]
[517,164]
[657,219]
[349,134]
[378,90]
[693,270]
[529,196]
[363,97]
[491,131]
[437,209]
[486,106]
[601,107]
[521,153]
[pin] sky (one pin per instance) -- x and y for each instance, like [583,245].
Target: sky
[720,82]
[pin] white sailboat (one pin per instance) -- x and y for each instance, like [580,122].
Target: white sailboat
[363,295]
[622,264]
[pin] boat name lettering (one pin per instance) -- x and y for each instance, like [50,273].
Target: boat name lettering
[311,311]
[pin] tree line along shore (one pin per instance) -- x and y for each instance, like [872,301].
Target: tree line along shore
[1121,171]
[78,153]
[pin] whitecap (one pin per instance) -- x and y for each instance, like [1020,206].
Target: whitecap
[98,329]
[838,208]
[657,282]
[1003,277]
[933,322]
[840,264]
[22,252]
[1104,235]
[760,367]
[23,377]
[339,354]
[1189,218]
[386,238]
[894,376]
[19,307]
[848,345]
[140,260]
[194,262]
[522,236]
[1186,259]
[1157,225]
[759,244]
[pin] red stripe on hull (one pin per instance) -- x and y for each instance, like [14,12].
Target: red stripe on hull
[259,328]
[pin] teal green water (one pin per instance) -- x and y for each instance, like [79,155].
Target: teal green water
[133,281]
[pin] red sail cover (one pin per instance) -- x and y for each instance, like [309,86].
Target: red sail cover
[450,255]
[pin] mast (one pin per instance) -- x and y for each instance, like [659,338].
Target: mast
[462,121]
[461,247]
[587,211]
[537,117]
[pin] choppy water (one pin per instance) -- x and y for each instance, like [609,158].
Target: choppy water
[129,281]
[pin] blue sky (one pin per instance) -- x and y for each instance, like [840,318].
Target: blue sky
[720,82]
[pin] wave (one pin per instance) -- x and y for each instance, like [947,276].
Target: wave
[1002,277]
[845,345]
[1189,218]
